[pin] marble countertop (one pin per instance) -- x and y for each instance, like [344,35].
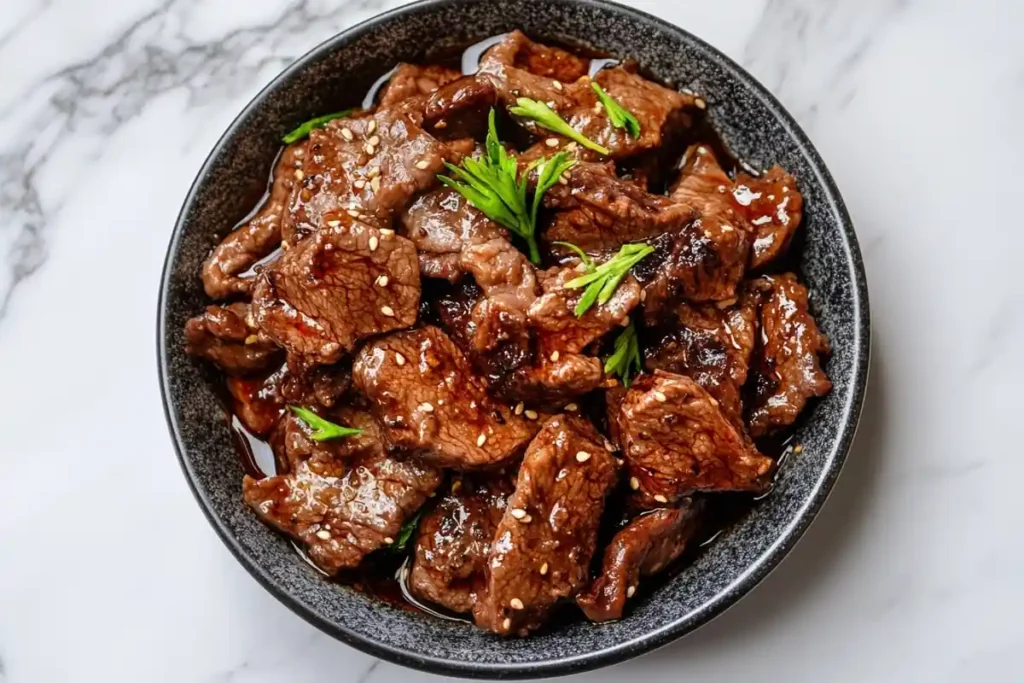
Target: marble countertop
[108,570]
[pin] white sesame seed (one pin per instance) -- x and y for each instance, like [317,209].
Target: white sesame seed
[660,498]
[347,134]
[375,183]
[456,485]
[630,591]
[527,519]
[554,356]
[516,603]
[359,184]
[374,242]
[387,232]
[252,339]
[323,535]
[660,397]
[375,141]
[481,440]
[427,407]
[518,513]
[563,180]
[372,126]
[551,142]
[389,540]
[530,414]
[519,408]
[571,146]
[506,624]
[544,569]
[701,104]
[353,213]
[373,172]
[285,246]
[572,407]
[634,483]
[333,224]
[582,456]
[798,449]
[609,446]
[299,175]
[399,358]
[382,280]
[423,165]
[369,149]
[388,311]
[557,85]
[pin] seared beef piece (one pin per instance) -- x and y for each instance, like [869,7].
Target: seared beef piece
[645,547]
[554,319]
[415,82]
[600,212]
[677,440]
[711,345]
[705,186]
[774,208]
[551,383]
[297,446]
[431,406]
[224,336]
[453,541]
[320,386]
[343,509]
[258,237]
[613,398]
[543,545]
[459,110]
[257,401]
[705,261]
[787,369]
[346,282]
[440,224]
[518,51]
[388,160]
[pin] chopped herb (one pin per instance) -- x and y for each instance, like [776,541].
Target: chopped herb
[602,281]
[545,117]
[494,185]
[626,358]
[322,429]
[303,130]
[404,536]
[619,115]
[587,261]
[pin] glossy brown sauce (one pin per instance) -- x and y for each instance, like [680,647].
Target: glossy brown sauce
[381,573]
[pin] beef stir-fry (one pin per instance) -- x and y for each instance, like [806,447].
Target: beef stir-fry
[517,330]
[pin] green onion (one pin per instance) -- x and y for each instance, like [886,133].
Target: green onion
[322,429]
[619,115]
[303,130]
[545,117]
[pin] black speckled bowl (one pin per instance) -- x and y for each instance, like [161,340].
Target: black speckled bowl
[335,75]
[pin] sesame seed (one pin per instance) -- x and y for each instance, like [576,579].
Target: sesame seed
[369,149]
[382,281]
[333,224]
[701,104]
[506,624]
[519,408]
[634,483]
[527,519]
[323,535]
[660,397]
[374,242]
[582,456]
[516,603]
[372,126]
[554,356]
[353,213]
[388,311]
[572,407]
[389,540]
[359,184]
[347,134]
[481,440]
[660,498]
[375,141]
[518,513]
[456,485]
[530,414]
[562,179]
[373,172]
[399,358]
[375,183]
[630,591]
[551,142]
[299,175]
[609,446]
[285,246]
[597,109]
[423,165]
[544,569]
[798,449]
[441,124]
[252,339]
[427,407]
[572,146]
[557,85]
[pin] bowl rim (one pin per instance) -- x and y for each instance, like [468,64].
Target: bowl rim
[663,635]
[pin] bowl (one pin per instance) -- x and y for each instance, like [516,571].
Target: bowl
[335,75]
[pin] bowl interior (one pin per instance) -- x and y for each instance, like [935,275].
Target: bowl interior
[336,75]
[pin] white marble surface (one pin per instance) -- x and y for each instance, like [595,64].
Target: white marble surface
[108,571]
